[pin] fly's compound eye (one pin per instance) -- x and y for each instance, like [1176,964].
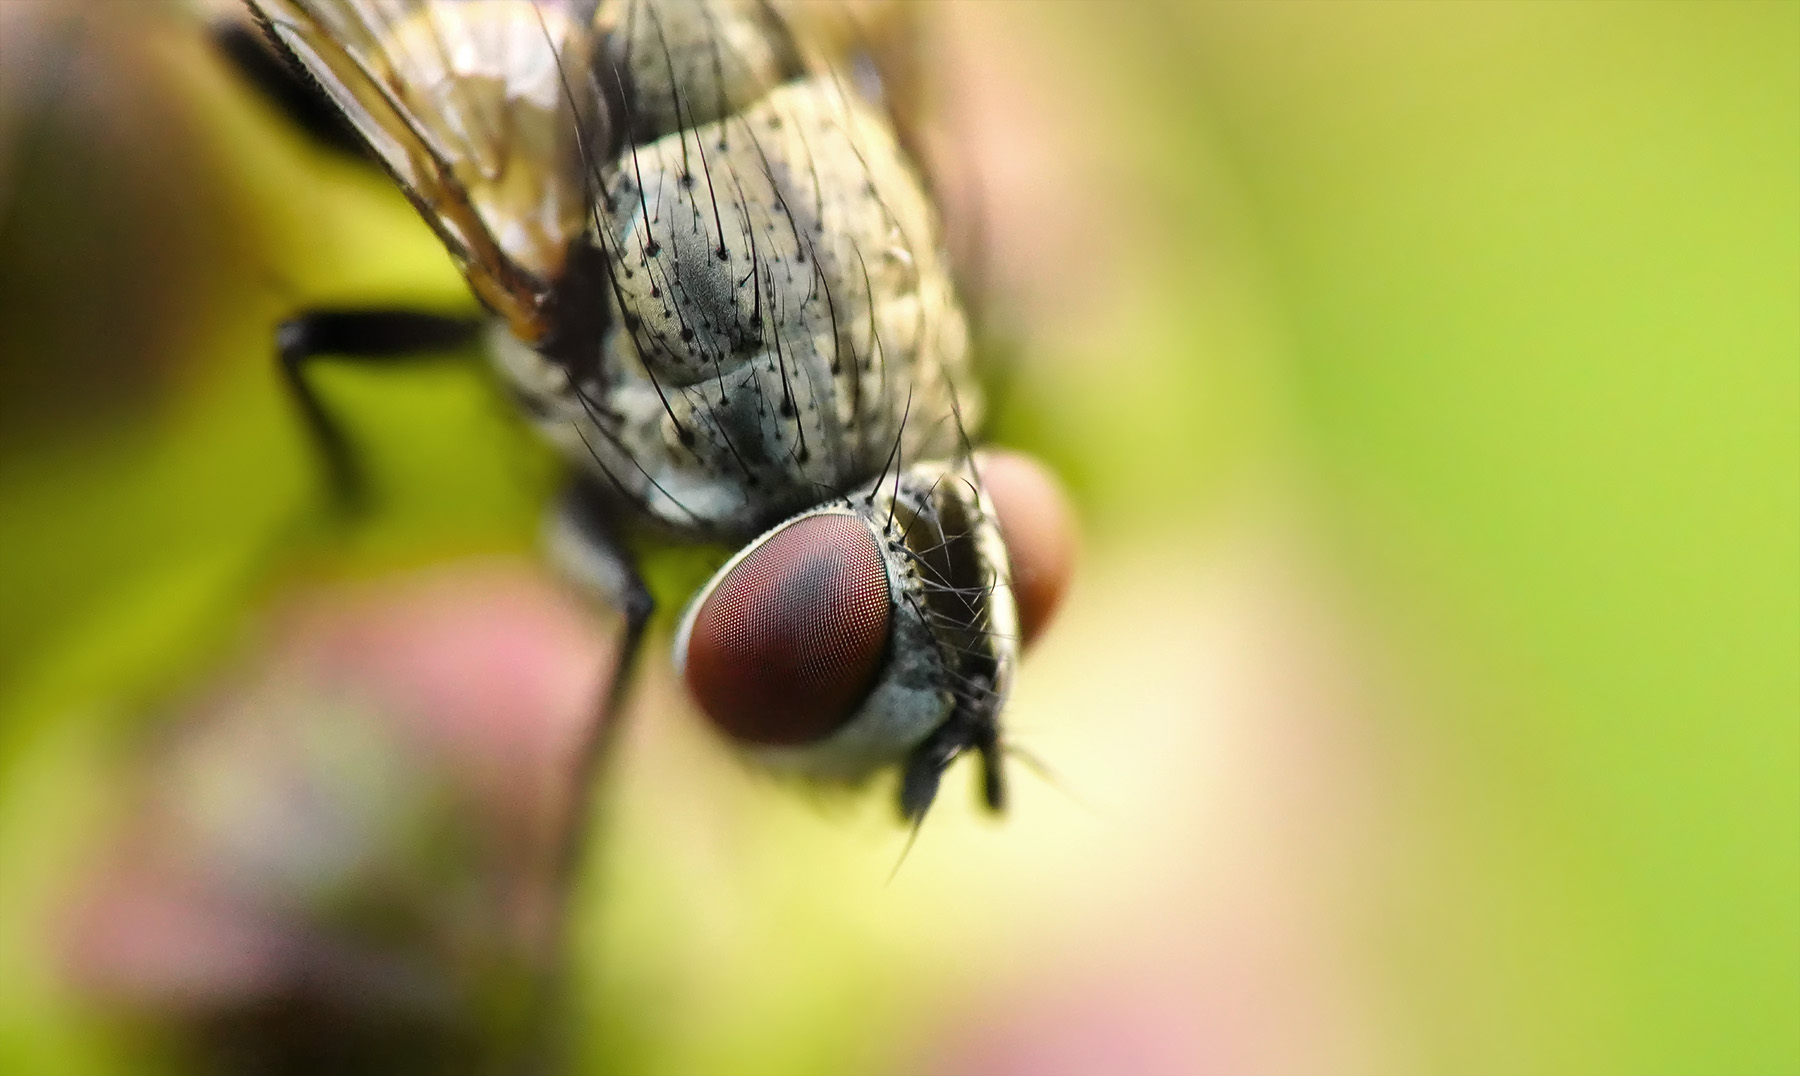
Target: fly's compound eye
[786,645]
[1038,528]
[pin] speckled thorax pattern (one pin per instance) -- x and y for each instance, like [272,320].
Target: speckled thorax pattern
[779,320]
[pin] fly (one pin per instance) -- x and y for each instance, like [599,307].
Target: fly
[720,290]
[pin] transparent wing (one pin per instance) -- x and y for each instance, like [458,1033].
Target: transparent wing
[484,110]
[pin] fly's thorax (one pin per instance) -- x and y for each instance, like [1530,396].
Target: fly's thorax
[779,304]
[929,544]
[781,294]
[684,64]
[794,225]
[617,436]
[683,206]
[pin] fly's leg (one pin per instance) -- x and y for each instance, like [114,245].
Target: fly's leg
[924,770]
[363,335]
[993,773]
[587,547]
[374,336]
[370,337]
[299,99]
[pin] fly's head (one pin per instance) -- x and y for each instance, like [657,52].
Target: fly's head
[882,629]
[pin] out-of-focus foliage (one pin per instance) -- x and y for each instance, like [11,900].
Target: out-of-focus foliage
[1541,271]
[1429,379]
[154,225]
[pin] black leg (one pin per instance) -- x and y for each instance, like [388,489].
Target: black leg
[993,774]
[587,548]
[966,729]
[380,337]
[924,771]
[295,96]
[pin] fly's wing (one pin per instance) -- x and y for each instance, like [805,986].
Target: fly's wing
[484,111]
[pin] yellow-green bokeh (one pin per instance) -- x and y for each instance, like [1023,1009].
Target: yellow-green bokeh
[1505,296]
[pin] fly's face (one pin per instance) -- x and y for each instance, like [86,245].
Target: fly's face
[723,295]
[886,622]
[858,627]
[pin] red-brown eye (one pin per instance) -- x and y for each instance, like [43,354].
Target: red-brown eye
[1039,530]
[787,645]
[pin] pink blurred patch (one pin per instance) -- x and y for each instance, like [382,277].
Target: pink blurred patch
[490,667]
[1124,1031]
[151,933]
[1248,1002]
[487,676]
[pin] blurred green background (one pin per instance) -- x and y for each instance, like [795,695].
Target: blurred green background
[1428,378]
